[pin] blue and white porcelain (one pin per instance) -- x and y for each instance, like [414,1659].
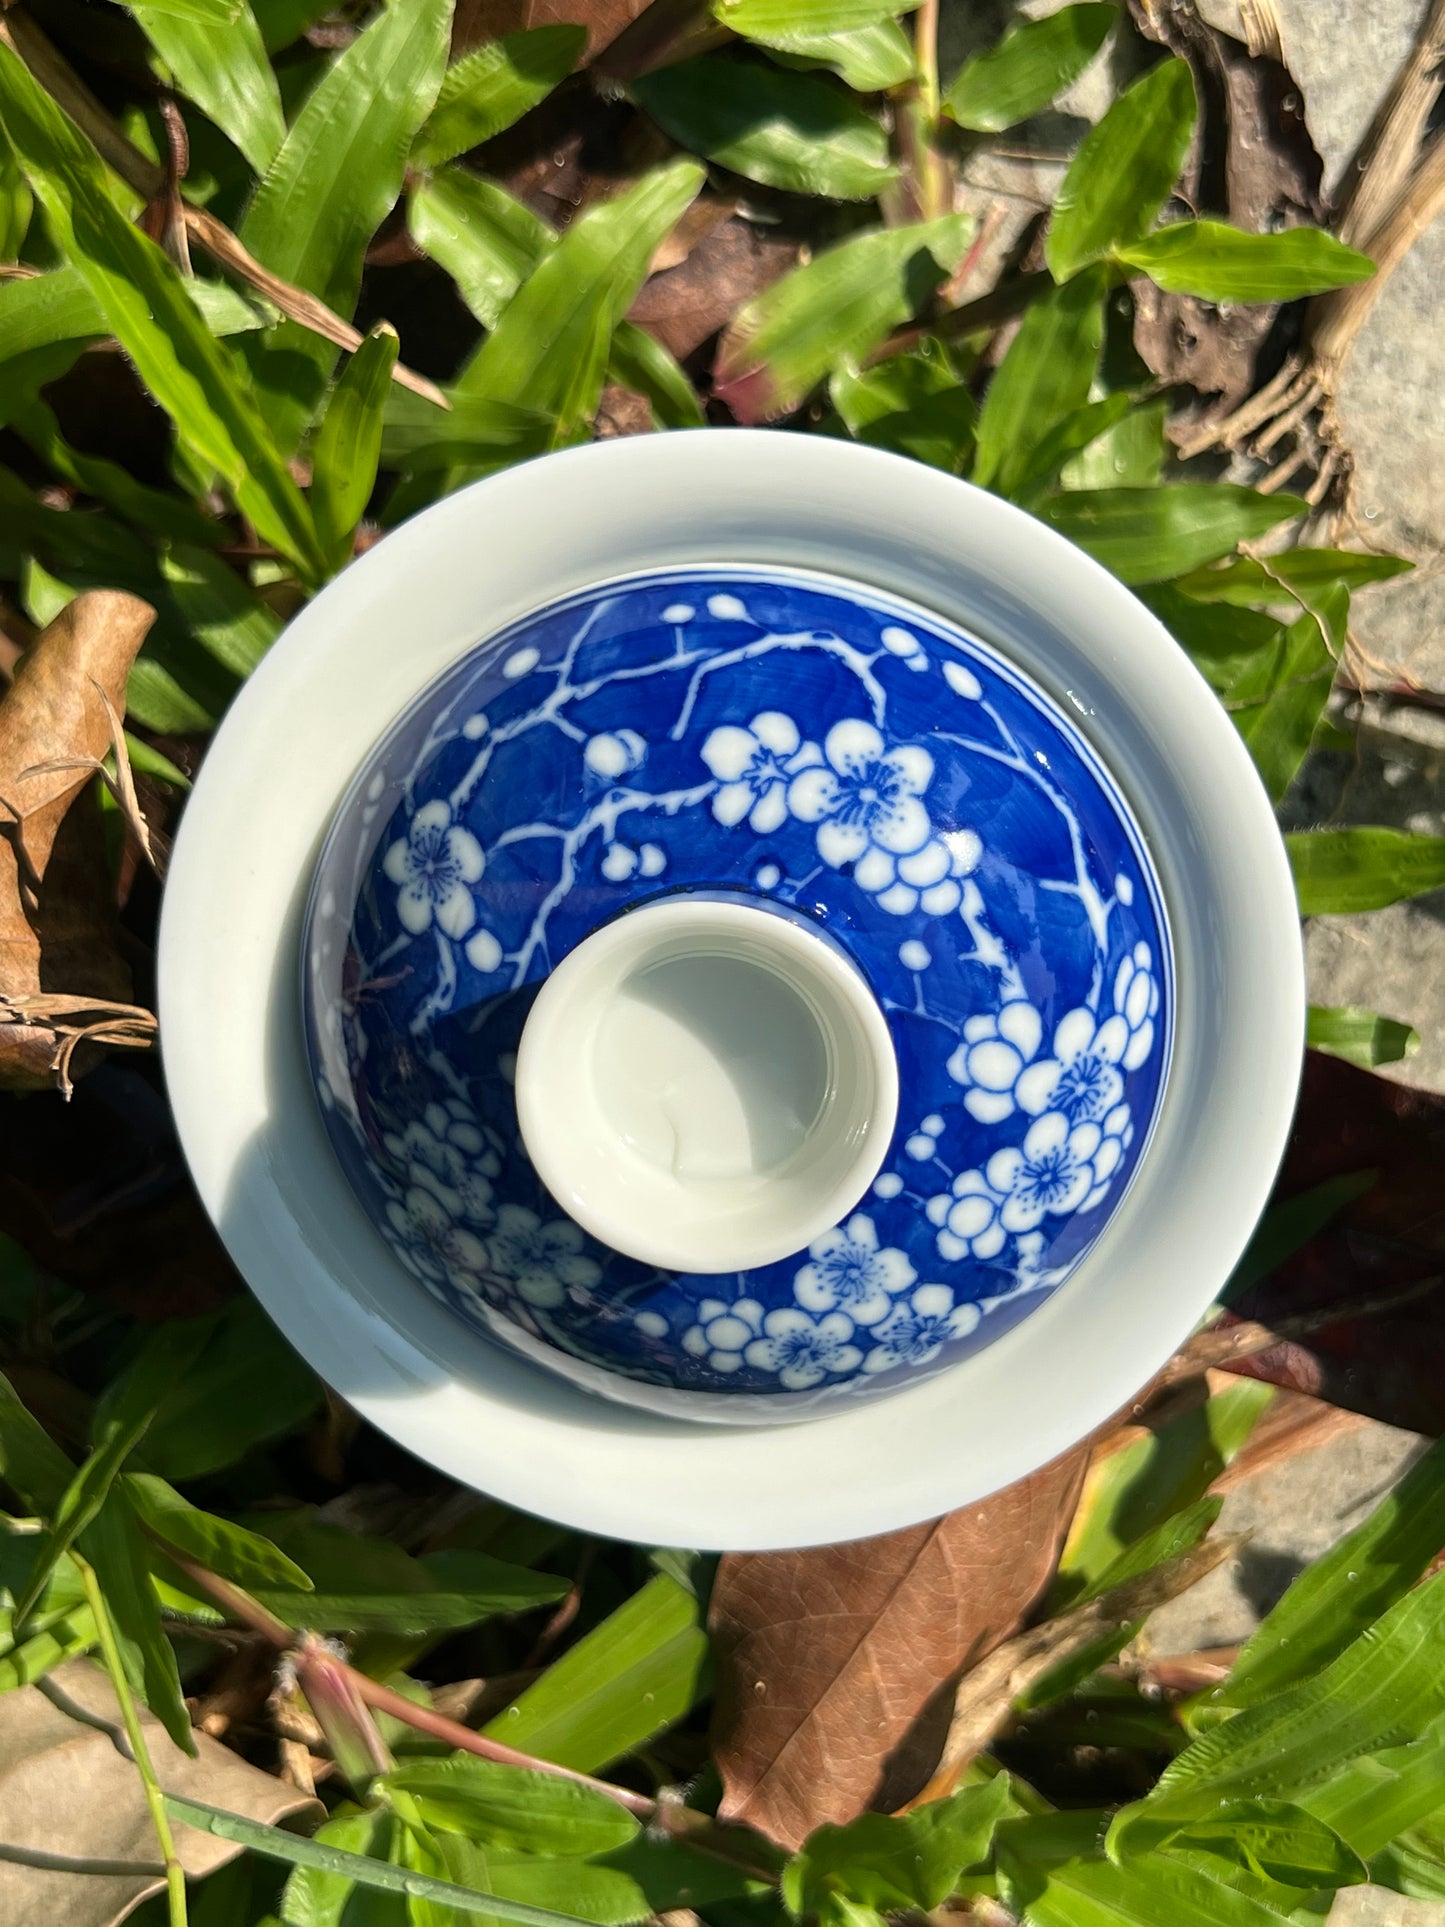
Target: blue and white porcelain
[1209,1107]
[820,757]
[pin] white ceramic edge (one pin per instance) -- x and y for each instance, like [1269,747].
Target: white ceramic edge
[599,1184]
[351,662]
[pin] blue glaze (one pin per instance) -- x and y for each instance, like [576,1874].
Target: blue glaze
[826,748]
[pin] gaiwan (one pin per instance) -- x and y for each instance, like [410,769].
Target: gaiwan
[738,991]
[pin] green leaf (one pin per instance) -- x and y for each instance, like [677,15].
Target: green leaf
[1279,697]
[641,363]
[1151,534]
[217,1544]
[1222,263]
[756,19]
[67,1637]
[515,1807]
[43,309]
[1377,1798]
[203,13]
[282,22]
[1124,170]
[673,1876]
[223,70]
[409,1613]
[1052,1874]
[155,699]
[348,443]
[148,508]
[148,761]
[145,306]
[867,59]
[415,434]
[831,312]
[891,1863]
[490,89]
[914,404]
[1221,641]
[1032,65]
[634,1675]
[1339,1596]
[549,349]
[1276,1841]
[1064,440]
[1137,1491]
[79,1505]
[16,205]
[1288,1226]
[1128,455]
[247,1388]
[786,130]
[222,613]
[336,178]
[1383,1690]
[600,1894]
[1045,376]
[30,1461]
[1361,1037]
[1340,872]
[340,1864]
[487,241]
[1242,581]
[114,1546]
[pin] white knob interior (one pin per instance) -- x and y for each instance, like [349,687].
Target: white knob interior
[706,1085]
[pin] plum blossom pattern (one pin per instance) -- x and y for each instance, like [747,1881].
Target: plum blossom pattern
[803,1351]
[998,1064]
[754,767]
[543,1263]
[918,1328]
[849,1273]
[847,760]
[446,1152]
[434,864]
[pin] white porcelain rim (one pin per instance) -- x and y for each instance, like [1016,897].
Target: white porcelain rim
[352,661]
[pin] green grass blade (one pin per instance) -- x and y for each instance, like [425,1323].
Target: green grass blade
[1361,1037]
[1341,872]
[1032,65]
[493,87]
[337,176]
[224,70]
[348,443]
[1045,376]
[145,306]
[1124,170]
[296,1851]
[638,1672]
[1150,534]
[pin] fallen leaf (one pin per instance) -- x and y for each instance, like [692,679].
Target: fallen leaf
[1387,1363]
[57,907]
[837,1665]
[476,21]
[1253,161]
[71,1803]
[684,306]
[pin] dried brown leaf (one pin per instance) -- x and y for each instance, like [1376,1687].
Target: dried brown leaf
[476,21]
[836,1665]
[685,306]
[76,1840]
[57,913]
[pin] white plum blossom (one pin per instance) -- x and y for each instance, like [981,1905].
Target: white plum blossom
[802,1350]
[848,1272]
[865,802]
[542,1262]
[1082,1078]
[928,876]
[446,1153]
[434,863]
[991,1057]
[614,753]
[967,1217]
[723,1332]
[754,767]
[432,1245]
[918,1328]
[1136,999]
[1057,1170]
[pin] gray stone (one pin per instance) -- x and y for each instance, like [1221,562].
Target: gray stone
[1294,1513]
